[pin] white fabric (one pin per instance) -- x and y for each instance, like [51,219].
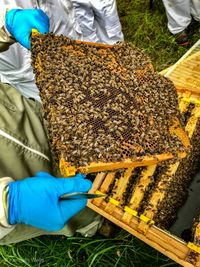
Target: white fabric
[92,20]
[5,227]
[3,10]
[180,12]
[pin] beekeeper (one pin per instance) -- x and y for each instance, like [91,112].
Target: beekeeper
[29,194]
[180,14]
[89,20]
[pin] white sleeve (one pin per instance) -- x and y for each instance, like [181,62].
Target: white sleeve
[5,227]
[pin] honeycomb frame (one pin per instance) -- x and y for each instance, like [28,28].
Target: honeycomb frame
[123,152]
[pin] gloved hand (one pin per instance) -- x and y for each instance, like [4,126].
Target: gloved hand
[20,22]
[35,200]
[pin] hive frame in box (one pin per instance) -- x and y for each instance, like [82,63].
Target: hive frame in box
[184,102]
[142,226]
[189,60]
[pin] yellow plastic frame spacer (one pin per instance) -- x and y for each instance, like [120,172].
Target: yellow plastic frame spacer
[99,193]
[111,200]
[114,201]
[186,99]
[131,211]
[146,220]
[193,247]
[189,100]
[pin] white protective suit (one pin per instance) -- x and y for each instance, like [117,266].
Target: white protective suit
[88,20]
[180,13]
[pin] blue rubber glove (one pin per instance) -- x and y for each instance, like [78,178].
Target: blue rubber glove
[35,200]
[20,22]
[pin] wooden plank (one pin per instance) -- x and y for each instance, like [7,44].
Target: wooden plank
[99,179]
[158,195]
[102,166]
[139,191]
[146,161]
[123,181]
[192,122]
[119,189]
[178,131]
[183,105]
[104,187]
[107,181]
[151,239]
[185,73]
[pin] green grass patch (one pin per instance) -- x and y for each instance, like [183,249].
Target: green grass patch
[122,251]
[148,30]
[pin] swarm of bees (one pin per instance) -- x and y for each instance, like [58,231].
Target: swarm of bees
[103,104]
[166,191]
[177,190]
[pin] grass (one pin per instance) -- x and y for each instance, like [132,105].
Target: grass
[147,30]
[122,250]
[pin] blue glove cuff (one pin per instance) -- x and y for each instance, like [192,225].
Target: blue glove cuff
[12,200]
[9,19]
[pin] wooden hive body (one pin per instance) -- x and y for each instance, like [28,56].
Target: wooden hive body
[143,225]
[140,218]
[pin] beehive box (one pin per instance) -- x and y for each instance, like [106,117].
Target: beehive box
[105,106]
[140,199]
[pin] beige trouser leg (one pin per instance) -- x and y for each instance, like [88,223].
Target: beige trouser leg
[21,118]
